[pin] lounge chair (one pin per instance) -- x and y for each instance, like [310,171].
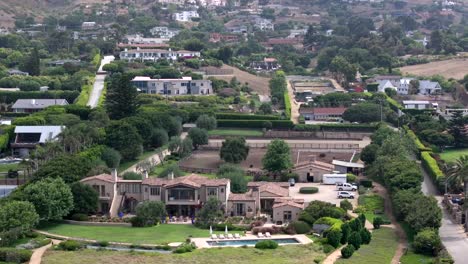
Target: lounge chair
[267,234]
[213,236]
[236,235]
[230,236]
[221,236]
[260,234]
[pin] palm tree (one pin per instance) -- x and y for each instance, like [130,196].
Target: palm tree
[458,175]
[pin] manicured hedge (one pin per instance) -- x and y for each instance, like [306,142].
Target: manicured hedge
[287,105]
[432,168]
[235,116]
[308,190]
[255,123]
[266,244]
[11,97]
[394,105]
[420,146]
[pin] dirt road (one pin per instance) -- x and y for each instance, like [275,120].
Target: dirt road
[294,105]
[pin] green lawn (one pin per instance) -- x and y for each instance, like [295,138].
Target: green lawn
[282,255]
[451,155]
[236,132]
[372,203]
[165,233]
[413,258]
[381,249]
[6,167]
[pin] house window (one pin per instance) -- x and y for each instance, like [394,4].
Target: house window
[155,191]
[212,191]
[136,188]
[222,190]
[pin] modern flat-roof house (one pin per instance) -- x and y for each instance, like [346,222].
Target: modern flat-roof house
[88,25]
[35,105]
[322,113]
[156,54]
[183,86]
[184,196]
[28,137]
[420,105]
[185,16]
[268,64]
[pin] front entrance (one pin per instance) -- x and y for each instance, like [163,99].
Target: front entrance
[105,207]
[310,177]
[266,206]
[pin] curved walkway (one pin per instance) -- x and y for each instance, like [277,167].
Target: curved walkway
[36,257]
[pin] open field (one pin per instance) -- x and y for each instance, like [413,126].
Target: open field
[236,132]
[257,83]
[453,68]
[284,254]
[380,250]
[165,233]
[209,159]
[451,155]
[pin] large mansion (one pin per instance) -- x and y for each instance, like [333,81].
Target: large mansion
[184,196]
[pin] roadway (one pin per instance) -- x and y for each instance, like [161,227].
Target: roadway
[98,85]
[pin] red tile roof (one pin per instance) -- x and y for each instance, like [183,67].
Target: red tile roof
[241,196]
[102,177]
[274,189]
[193,180]
[289,203]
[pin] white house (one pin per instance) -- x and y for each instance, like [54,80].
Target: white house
[419,105]
[264,24]
[427,87]
[164,32]
[186,16]
[156,54]
[183,86]
[88,25]
[404,85]
[384,84]
[28,137]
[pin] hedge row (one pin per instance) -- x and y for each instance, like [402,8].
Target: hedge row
[7,133]
[256,123]
[235,116]
[11,97]
[394,105]
[308,190]
[420,146]
[432,168]
[337,127]
[287,105]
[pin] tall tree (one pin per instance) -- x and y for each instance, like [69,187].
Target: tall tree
[457,129]
[458,175]
[151,212]
[85,198]
[18,214]
[199,137]
[121,99]
[234,150]
[52,198]
[33,63]
[277,157]
[124,138]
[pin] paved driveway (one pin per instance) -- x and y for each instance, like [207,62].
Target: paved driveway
[327,193]
[98,85]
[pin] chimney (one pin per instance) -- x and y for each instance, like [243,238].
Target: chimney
[138,48]
[170,176]
[126,49]
[114,174]
[33,101]
[145,172]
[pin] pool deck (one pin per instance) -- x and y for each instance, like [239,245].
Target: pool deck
[203,242]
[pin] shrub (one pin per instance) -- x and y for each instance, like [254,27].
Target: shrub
[347,251]
[432,168]
[308,190]
[300,227]
[378,221]
[131,176]
[184,248]
[138,221]
[427,242]
[70,245]
[355,224]
[351,177]
[327,248]
[355,240]
[366,183]
[334,237]
[79,217]
[266,244]
[366,236]
[102,243]
[362,219]
[317,260]
[345,233]
[13,255]
[346,205]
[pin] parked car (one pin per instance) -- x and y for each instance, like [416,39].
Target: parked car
[344,194]
[346,187]
[292,182]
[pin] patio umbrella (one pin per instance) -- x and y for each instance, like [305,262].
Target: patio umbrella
[225,230]
[211,230]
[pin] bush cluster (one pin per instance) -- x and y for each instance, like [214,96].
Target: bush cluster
[70,245]
[266,244]
[300,227]
[427,242]
[79,217]
[347,251]
[13,255]
[184,248]
[308,190]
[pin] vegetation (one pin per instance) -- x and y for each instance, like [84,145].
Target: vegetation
[277,157]
[236,175]
[308,190]
[150,212]
[266,244]
[235,132]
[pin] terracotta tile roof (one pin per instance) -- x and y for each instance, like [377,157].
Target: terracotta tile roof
[192,180]
[102,177]
[241,196]
[286,199]
[183,181]
[289,203]
[274,189]
[260,183]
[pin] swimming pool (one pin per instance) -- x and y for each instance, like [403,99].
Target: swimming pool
[249,242]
